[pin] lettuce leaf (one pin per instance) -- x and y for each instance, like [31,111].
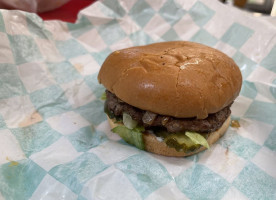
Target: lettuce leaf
[131,136]
[103,97]
[197,138]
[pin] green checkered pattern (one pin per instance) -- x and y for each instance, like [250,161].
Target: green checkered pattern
[55,142]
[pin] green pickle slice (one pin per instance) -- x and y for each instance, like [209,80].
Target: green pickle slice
[184,141]
[181,142]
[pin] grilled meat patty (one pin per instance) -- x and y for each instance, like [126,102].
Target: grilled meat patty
[149,119]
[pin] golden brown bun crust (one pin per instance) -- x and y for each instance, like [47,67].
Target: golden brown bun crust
[180,79]
[161,148]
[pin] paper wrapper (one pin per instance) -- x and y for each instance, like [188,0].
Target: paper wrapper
[55,142]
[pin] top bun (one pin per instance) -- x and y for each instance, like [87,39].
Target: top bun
[179,79]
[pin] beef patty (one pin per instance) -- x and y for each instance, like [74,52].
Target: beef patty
[213,122]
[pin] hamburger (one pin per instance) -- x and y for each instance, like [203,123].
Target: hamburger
[170,98]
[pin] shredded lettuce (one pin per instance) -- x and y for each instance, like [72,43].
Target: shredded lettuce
[197,139]
[132,136]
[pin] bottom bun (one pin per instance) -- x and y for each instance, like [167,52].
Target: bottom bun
[155,146]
